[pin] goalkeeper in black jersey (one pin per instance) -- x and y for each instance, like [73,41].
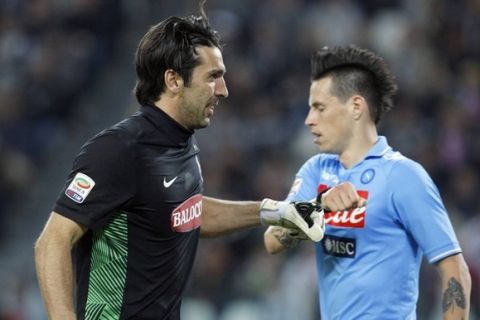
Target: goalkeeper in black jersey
[133,205]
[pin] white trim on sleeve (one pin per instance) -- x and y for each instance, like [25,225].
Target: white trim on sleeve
[445,254]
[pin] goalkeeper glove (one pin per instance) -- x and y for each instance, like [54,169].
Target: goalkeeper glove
[306,217]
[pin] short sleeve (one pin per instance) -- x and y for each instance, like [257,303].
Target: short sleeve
[304,188]
[101,182]
[421,210]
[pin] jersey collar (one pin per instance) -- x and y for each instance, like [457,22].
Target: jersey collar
[379,148]
[166,124]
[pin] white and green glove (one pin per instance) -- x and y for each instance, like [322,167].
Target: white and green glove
[306,217]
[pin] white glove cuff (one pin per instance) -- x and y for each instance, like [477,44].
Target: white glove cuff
[271,211]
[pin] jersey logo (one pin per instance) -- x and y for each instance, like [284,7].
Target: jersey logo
[353,218]
[339,247]
[80,187]
[188,215]
[167,184]
[330,177]
[367,176]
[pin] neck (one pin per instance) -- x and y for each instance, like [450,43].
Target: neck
[170,107]
[359,146]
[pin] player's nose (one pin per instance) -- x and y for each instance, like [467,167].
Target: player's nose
[221,90]
[309,120]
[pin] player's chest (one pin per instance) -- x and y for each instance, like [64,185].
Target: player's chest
[170,177]
[350,232]
[169,192]
[370,185]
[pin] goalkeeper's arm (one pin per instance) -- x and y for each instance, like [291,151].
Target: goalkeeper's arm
[222,217]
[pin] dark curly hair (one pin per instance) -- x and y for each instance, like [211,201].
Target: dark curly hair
[356,71]
[171,44]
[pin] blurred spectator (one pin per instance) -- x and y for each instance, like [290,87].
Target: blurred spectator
[50,52]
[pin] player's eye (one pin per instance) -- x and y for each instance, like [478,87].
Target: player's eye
[215,75]
[318,107]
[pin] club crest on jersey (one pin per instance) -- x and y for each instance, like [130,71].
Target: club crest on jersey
[80,187]
[188,215]
[367,176]
[353,218]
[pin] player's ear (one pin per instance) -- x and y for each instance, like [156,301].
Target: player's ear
[173,81]
[359,107]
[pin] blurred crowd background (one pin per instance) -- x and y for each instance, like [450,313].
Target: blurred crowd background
[66,72]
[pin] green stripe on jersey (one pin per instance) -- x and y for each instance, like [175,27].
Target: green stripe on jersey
[108,270]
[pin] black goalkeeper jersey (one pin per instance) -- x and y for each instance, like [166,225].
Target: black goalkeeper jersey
[138,187]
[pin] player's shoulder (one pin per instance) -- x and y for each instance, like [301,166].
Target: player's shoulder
[404,168]
[112,140]
[131,128]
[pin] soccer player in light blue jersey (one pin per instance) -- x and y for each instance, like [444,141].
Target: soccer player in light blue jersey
[369,260]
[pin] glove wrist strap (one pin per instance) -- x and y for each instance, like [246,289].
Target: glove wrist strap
[271,212]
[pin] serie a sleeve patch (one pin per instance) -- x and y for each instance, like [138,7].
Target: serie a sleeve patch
[80,187]
[295,187]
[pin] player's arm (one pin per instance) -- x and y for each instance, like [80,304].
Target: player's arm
[456,286]
[53,262]
[423,215]
[341,197]
[221,217]
[276,239]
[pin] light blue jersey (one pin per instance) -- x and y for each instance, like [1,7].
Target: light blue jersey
[368,262]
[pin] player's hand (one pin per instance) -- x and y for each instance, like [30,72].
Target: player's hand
[343,196]
[288,238]
[306,217]
[297,234]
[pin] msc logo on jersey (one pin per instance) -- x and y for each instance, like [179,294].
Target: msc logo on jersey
[353,218]
[339,247]
[80,187]
[188,215]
